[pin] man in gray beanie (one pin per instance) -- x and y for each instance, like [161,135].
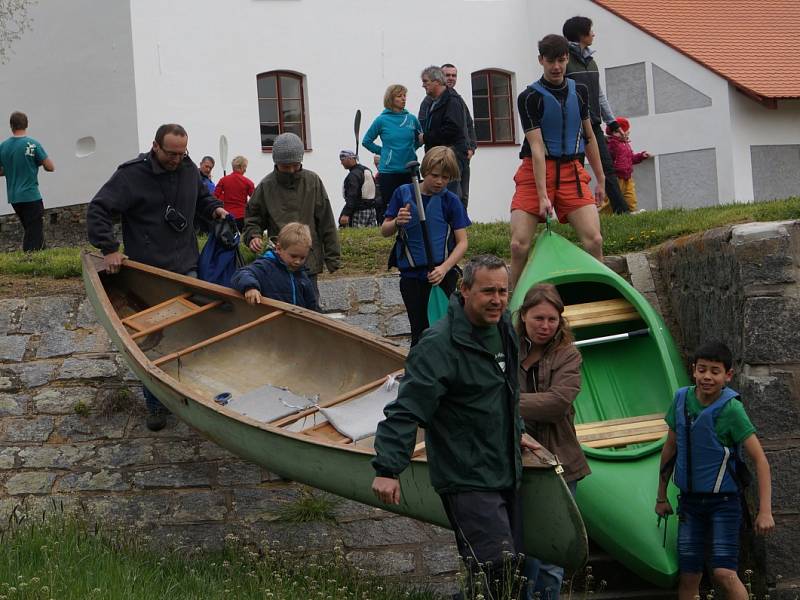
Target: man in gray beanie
[293,194]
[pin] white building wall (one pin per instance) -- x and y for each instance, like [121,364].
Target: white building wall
[753,124]
[72,74]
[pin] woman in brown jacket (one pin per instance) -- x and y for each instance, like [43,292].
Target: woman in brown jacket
[550,379]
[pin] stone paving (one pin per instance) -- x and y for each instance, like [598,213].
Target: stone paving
[72,434]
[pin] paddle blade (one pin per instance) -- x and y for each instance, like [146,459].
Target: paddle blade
[357,127]
[223,152]
[437,304]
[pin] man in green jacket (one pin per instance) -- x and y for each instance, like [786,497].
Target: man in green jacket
[460,384]
[293,194]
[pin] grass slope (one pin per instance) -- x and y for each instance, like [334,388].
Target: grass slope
[365,251]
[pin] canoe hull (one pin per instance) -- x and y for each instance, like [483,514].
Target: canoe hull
[621,379]
[554,529]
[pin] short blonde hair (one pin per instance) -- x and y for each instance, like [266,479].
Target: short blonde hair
[392,92]
[294,233]
[442,157]
[238,162]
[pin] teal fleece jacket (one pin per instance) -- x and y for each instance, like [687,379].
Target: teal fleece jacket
[399,133]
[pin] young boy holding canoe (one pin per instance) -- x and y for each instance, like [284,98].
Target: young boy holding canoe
[280,274]
[446,222]
[708,427]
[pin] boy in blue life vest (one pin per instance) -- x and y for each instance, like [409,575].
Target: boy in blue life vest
[551,180]
[280,274]
[708,427]
[446,222]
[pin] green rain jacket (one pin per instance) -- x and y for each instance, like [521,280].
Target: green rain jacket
[469,407]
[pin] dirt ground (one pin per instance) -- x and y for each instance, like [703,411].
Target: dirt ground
[26,287]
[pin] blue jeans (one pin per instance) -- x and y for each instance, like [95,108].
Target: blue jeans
[708,519]
[545,578]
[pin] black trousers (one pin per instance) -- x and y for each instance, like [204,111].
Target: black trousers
[388,183]
[488,529]
[31,215]
[415,293]
[614,194]
[465,172]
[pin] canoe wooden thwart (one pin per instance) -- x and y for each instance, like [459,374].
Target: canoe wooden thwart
[600,313]
[295,392]
[622,432]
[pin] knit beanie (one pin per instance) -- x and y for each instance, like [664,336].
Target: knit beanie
[287,148]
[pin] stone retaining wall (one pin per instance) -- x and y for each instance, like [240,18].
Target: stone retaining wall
[741,284]
[63,226]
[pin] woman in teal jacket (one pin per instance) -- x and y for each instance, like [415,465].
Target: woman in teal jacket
[399,132]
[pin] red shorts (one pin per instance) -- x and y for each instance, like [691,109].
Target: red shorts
[566,199]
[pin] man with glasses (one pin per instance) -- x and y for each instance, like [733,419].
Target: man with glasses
[156,196]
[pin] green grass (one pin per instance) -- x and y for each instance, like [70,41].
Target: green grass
[310,505]
[366,251]
[67,559]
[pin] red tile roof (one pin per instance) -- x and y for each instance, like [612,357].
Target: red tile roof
[751,43]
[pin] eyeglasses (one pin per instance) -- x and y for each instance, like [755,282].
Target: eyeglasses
[171,154]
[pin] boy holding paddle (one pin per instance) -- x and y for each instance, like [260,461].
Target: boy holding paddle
[427,257]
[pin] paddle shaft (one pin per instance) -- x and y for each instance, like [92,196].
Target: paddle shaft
[612,338]
[426,240]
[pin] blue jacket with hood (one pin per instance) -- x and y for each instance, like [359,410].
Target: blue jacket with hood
[269,275]
[399,135]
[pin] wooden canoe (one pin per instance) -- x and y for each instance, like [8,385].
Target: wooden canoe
[628,382]
[189,341]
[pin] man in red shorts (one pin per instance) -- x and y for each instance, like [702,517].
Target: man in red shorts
[551,179]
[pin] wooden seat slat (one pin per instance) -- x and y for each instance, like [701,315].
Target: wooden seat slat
[132,321]
[176,319]
[600,312]
[326,431]
[621,432]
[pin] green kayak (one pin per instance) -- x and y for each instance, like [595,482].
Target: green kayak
[631,369]
[293,391]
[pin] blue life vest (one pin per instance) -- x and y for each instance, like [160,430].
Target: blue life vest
[712,465]
[409,248]
[561,126]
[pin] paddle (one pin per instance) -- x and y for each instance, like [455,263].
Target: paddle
[437,300]
[357,128]
[223,152]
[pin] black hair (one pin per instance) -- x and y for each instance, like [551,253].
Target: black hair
[209,159]
[575,27]
[553,46]
[169,128]
[715,351]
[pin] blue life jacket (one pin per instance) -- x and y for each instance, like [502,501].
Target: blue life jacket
[561,126]
[703,464]
[409,248]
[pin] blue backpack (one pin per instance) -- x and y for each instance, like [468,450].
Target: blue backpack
[220,256]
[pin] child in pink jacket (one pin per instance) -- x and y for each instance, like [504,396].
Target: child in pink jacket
[624,158]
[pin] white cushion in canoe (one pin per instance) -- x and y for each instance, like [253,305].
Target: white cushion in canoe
[359,418]
[269,402]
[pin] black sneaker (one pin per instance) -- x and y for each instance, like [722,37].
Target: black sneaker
[156,421]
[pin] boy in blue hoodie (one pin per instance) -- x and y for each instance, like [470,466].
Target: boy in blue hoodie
[708,427]
[279,274]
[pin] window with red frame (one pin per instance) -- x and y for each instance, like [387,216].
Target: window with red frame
[492,107]
[281,106]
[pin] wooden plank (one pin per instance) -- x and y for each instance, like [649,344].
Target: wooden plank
[418,449]
[624,441]
[600,312]
[326,431]
[636,419]
[613,431]
[346,396]
[611,434]
[128,320]
[217,338]
[176,319]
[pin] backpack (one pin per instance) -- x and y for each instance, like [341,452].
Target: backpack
[220,256]
[368,187]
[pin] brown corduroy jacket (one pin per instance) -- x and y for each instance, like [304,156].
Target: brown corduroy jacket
[547,407]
